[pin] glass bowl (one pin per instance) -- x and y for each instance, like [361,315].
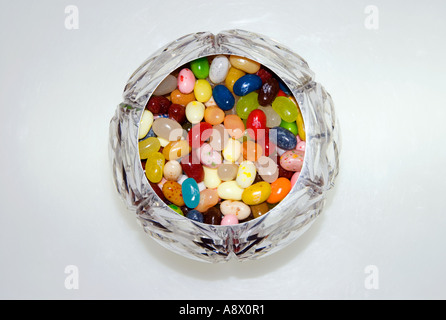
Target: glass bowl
[258,237]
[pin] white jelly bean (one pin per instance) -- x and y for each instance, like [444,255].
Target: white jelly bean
[246,174]
[237,208]
[172,170]
[211,179]
[145,123]
[232,150]
[166,86]
[219,69]
[230,190]
[195,112]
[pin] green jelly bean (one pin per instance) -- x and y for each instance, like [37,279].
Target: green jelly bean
[200,68]
[290,126]
[176,209]
[286,109]
[246,104]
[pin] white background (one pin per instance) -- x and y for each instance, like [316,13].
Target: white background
[59,90]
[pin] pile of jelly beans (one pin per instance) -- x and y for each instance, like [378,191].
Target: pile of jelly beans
[222,140]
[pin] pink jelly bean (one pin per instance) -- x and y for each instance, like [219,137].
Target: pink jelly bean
[186,81]
[301,146]
[294,178]
[229,219]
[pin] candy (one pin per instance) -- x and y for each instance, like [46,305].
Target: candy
[145,124]
[172,170]
[259,209]
[267,169]
[199,133]
[212,216]
[211,179]
[228,220]
[186,81]
[268,92]
[286,109]
[294,178]
[244,64]
[300,126]
[251,150]
[269,148]
[292,160]
[192,167]
[177,112]
[246,104]
[167,129]
[257,193]
[172,192]
[264,74]
[236,208]
[219,137]
[283,138]
[246,174]
[195,215]
[301,146]
[166,86]
[202,90]
[209,157]
[232,150]
[214,115]
[148,146]
[246,84]
[200,67]
[227,171]
[191,193]
[232,76]
[256,124]
[180,98]
[223,97]
[230,190]
[234,126]
[219,69]
[272,117]
[208,199]
[158,105]
[279,190]
[195,112]
[290,126]
[176,150]
[154,167]
[176,209]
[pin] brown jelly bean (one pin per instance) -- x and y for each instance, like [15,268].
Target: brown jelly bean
[268,92]
[212,216]
[259,209]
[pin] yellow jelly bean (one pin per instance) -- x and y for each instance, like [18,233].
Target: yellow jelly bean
[154,167]
[244,64]
[300,125]
[246,174]
[147,146]
[202,90]
[232,150]
[233,75]
[230,190]
[176,149]
[256,193]
[211,179]
[145,124]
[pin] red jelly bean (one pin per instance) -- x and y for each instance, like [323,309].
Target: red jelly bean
[281,94]
[268,147]
[192,167]
[158,104]
[282,172]
[199,133]
[264,75]
[177,112]
[256,124]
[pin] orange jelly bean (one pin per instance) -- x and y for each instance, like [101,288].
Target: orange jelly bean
[172,192]
[234,125]
[251,150]
[177,97]
[279,190]
[214,115]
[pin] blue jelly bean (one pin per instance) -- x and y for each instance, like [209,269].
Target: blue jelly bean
[284,87]
[283,138]
[191,193]
[195,215]
[246,84]
[223,97]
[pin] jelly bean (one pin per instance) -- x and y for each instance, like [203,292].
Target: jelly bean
[208,199]
[227,171]
[234,126]
[256,124]
[286,109]
[148,146]
[246,84]
[269,148]
[230,190]
[192,167]
[214,115]
[210,103]
[195,112]
[172,170]
[223,97]
[180,98]
[232,76]
[272,117]
[264,74]
[145,123]
[292,160]
[163,142]
[300,125]
[176,149]
[158,191]
[211,179]
[219,137]
[246,174]
[199,133]
[168,129]
[283,138]
[259,209]
[200,67]
[202,90]
[281,94]
[284,87]
[268,92]
[251,150]
[267,169]
[279,190]
[209,157]
[219,69]
[186,81]
[177,112]
[195,215]
[236,208]
[191,193]
[166,86]
[154,167]
[158,105]
[290,126]
[212,216]
[150,134]
[247,104]
[284,173]
[294,178]
[229,220]
[172,192]
[244,64]
[256,193]
[301,146]
[232,150]
[176,209]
